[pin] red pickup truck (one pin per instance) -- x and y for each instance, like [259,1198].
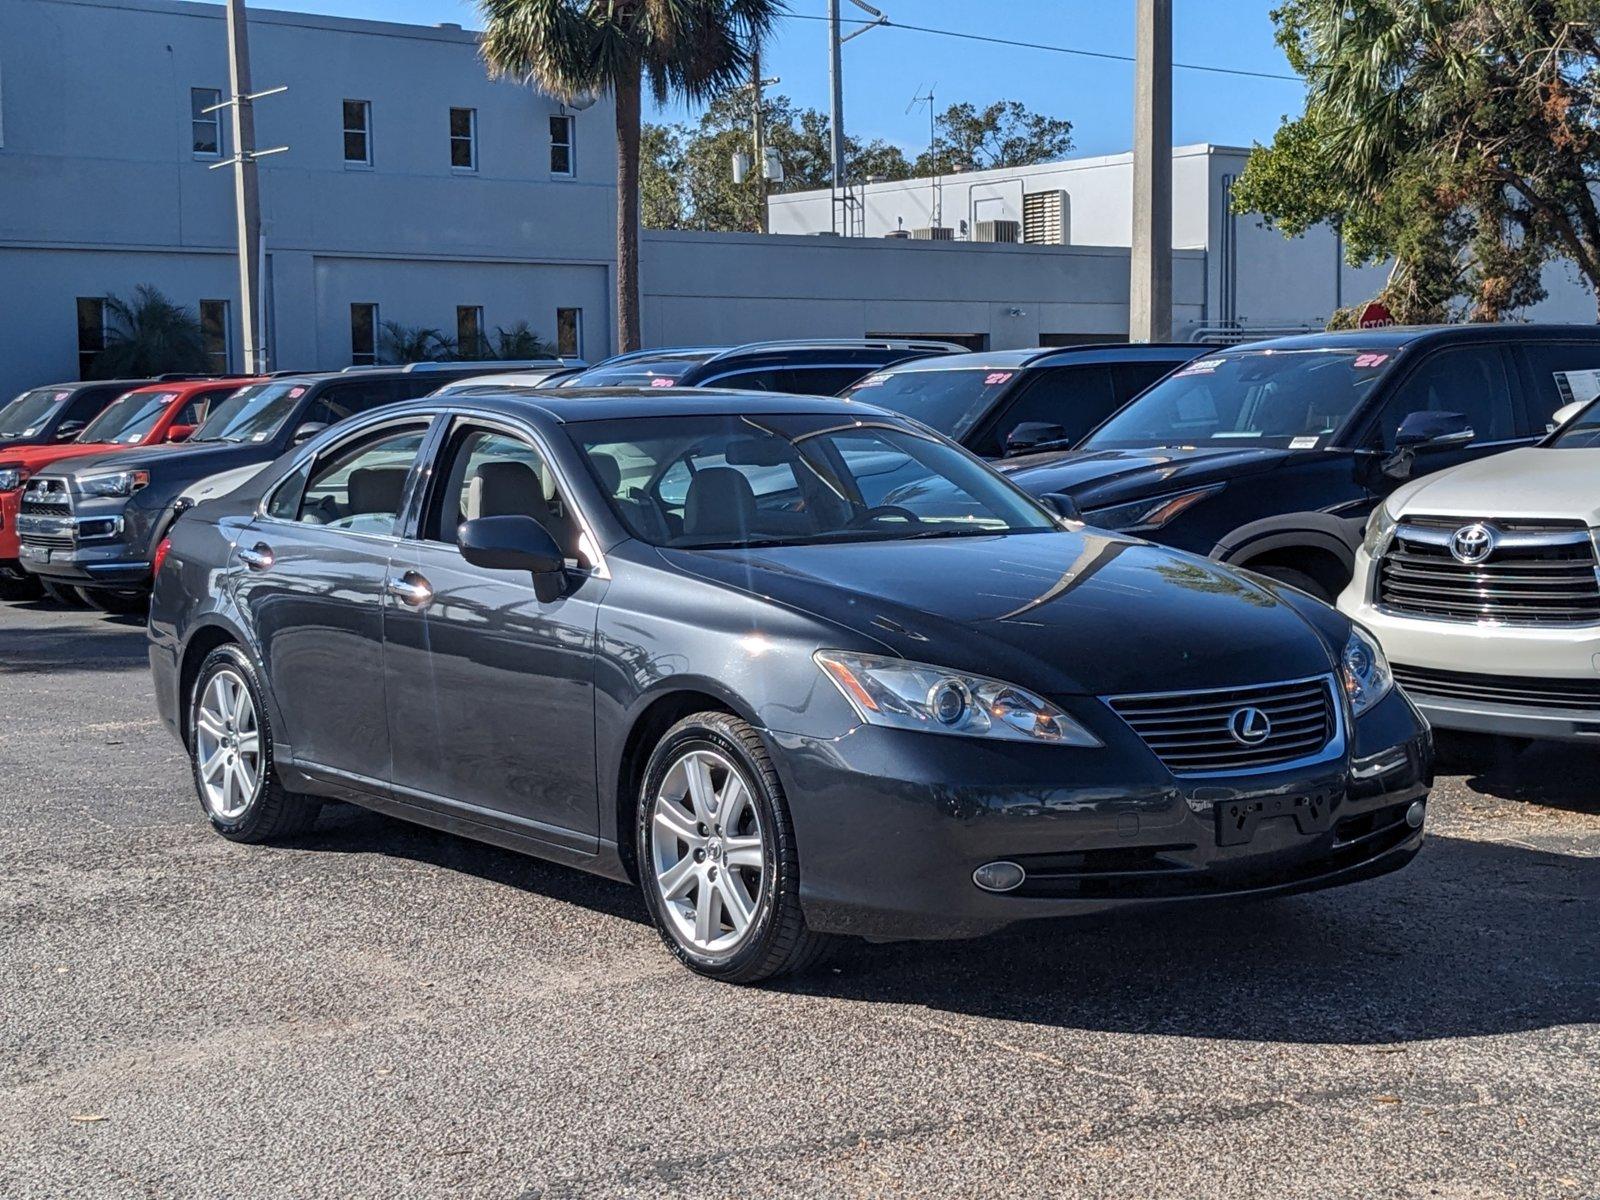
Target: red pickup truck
[144,416]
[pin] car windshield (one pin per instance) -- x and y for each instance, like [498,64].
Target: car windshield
[1290,399]
[663,371]
[27,415]
[129,418]
[1580,433]
[252,414]
[705,482]
[951,401]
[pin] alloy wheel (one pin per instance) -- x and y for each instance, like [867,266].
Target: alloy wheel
[227,746]
[708,852]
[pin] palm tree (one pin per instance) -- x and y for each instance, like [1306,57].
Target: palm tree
[571,48]
[405,344]
[518,343]
[149,335]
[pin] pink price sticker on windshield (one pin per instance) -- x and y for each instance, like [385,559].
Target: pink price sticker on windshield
[995,378]
[1371,360]
[872,381]
[1201,366]
[296,393]
[661,381]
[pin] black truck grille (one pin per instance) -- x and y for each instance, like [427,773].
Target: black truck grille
[1192,733]
[1514,691]
[1537,573]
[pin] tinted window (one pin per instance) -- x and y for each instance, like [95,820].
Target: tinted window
[1293,399]
[1074,398]
[340,400]
[27,415]
[950,401]
[198,405]
[639,372]
[1560,374]
[361,488]
[1470,380]
[492,474]
[1130,378]
[797,381]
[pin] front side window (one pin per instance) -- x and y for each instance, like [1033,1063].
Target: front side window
[1287,399]
[363,335]
[950,401]
[1469,380]
[205,126]
[489,473]
[359,488]
[469,331]
[463,139]
[562,161]
[701,482]
[91,331]
[214,329]
[1073,399]
[129,418]
[358,133]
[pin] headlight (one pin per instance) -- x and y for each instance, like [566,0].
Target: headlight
[11,478]
[1379,526]
[908,695]
[116,483]
[1364,670]
[1149,513]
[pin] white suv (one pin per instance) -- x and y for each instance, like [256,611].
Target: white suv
[1482,583]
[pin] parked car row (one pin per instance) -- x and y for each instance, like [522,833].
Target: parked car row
[905,662]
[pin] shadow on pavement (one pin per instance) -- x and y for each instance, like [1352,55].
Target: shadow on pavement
[114,646]
[1555,774]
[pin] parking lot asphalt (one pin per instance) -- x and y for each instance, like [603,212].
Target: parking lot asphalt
[380,1010]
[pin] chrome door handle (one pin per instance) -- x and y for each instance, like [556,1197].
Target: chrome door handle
[410,588]
[257,557]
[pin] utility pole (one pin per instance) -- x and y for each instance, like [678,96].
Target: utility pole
[841,184]
[246,192]
[759,126]
[1150,283]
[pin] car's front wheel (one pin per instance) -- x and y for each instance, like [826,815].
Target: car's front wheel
[230,750]
[131,602]
[717,857]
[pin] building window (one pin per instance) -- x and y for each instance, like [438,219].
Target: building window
[569,332]
[561,156]
[469,331]
[205,127]
[91,331]
[464,139]
[358,133]
[363,334]
[214,328]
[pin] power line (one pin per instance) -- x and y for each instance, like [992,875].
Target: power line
[998,41]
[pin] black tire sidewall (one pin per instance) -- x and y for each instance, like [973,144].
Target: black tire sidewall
[698,734]
[233,659]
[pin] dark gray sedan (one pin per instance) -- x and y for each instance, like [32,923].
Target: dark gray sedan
[689,639]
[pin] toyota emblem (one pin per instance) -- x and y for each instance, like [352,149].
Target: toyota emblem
[1472,544]
[1249,726]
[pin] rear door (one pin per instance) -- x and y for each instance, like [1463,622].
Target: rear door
[316,562]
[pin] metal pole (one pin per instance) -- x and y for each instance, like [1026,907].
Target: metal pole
[760,128]
[1150,284]
[841,182]
[247,200]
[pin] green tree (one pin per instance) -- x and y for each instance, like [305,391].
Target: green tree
[518,342]
[569,48]
[1003,134]
[149,335]
[1458,137]
[409,344]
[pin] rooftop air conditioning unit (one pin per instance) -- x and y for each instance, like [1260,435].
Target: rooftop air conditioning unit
[934,233]
[998,231]
[898,233]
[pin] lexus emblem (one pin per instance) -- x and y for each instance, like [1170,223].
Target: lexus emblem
[1249,726]
[1471,543]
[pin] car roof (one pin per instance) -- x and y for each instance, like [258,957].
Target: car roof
[185,386]
[77,385]
[1016,360]
[569,405]
[1394,337]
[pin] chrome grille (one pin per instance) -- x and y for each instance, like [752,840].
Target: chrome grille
[1190,732]
[1515,691]
[1537,573]
[46,497]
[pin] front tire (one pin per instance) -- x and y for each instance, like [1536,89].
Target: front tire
[230,753]
[717,857]
[118,603]
[1296,579]
[62,593]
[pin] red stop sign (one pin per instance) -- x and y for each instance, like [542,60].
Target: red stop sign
[1375,316]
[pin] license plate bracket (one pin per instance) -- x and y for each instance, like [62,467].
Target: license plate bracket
[1238,820]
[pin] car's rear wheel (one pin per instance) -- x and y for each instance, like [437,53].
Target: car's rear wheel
[129,602]
[717,857]
[230,751]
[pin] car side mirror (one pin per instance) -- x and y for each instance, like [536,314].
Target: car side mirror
[1566,412]
[1063,506]
[307,431]
[1034,435]
[1433,429]
[180,433]
[515,544]
[68,430]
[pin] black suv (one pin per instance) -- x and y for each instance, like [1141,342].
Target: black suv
[820,367]
[1004,402]
[1271,455]
[59,412]
[95,523]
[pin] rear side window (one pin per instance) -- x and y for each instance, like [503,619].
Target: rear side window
[361,488]
[1129,379]
[342,400]
[798,381]
[1560,372]
[88,404]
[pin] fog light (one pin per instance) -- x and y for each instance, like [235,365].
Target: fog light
[999,876]
[1415,814]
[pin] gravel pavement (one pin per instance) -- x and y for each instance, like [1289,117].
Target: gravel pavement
[380,1010]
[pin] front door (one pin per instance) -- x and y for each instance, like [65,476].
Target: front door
[313,586]
[491,708]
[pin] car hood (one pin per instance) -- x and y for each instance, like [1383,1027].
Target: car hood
[1062,613]
[188,460]
[1530,482]
[1095,478]
[36,458]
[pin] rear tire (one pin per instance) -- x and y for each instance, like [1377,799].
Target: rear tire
[1296,579]
[118,603]
[230,755]
[717,858]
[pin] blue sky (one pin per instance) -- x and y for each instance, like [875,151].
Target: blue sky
[885,68]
